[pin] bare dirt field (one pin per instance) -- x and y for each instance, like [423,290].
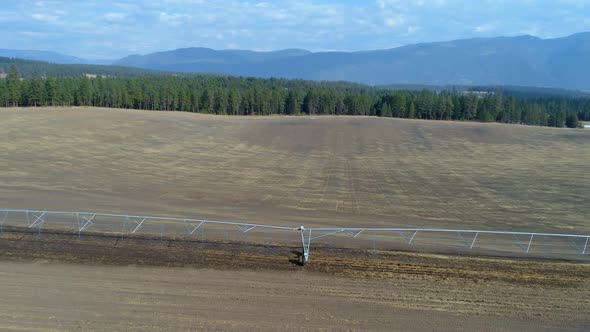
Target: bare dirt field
[58,282]
[313,171]
[323,171]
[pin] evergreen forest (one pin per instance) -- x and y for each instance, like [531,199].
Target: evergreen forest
[251,96]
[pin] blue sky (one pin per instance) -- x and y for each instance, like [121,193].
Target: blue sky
[115,28]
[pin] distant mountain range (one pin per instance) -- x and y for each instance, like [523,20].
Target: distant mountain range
[198,59]
[523,61]
[46,56]
[49,56]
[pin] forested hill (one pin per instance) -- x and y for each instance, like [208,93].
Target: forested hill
[30,69]
[249,96]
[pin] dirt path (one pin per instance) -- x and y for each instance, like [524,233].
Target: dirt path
[62,283]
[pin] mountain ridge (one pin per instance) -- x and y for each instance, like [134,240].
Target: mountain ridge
[521,61]
[37,55]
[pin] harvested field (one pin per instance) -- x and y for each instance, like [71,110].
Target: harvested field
[313,171]
[316,171]
[121,285]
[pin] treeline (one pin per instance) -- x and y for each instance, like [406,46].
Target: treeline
[31,69]
[248,96]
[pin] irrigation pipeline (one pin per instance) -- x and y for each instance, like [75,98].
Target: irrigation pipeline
[83,221]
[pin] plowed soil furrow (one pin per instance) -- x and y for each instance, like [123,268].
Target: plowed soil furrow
[525,294]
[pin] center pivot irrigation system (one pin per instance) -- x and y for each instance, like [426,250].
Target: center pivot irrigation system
[120,224]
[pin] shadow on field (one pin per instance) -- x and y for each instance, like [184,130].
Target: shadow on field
[298,260]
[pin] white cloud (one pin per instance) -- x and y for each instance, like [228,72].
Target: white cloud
[485,27]
[37,34]
[262,5]
[114,17]
[172,19]
[45,17]
[47,3]
[394,21]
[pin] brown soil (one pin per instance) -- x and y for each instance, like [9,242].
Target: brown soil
[117,284]
[312,171]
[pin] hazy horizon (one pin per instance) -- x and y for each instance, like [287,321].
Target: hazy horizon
[280,49]
[112,29]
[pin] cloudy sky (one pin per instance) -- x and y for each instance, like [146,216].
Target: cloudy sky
[115,28]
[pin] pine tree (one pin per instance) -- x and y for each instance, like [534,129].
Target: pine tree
[450,107]
[220,102]
[233,102]
[3,92]
[13,86]
[35,92]
[385,110]
[474,107]
[412,112]
[399,106]
[309,103]
[292,107]
[499,104]
[572,120]
[83,94]
[207,101]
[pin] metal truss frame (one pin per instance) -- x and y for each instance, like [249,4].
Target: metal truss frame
[85,220]
[525,247]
